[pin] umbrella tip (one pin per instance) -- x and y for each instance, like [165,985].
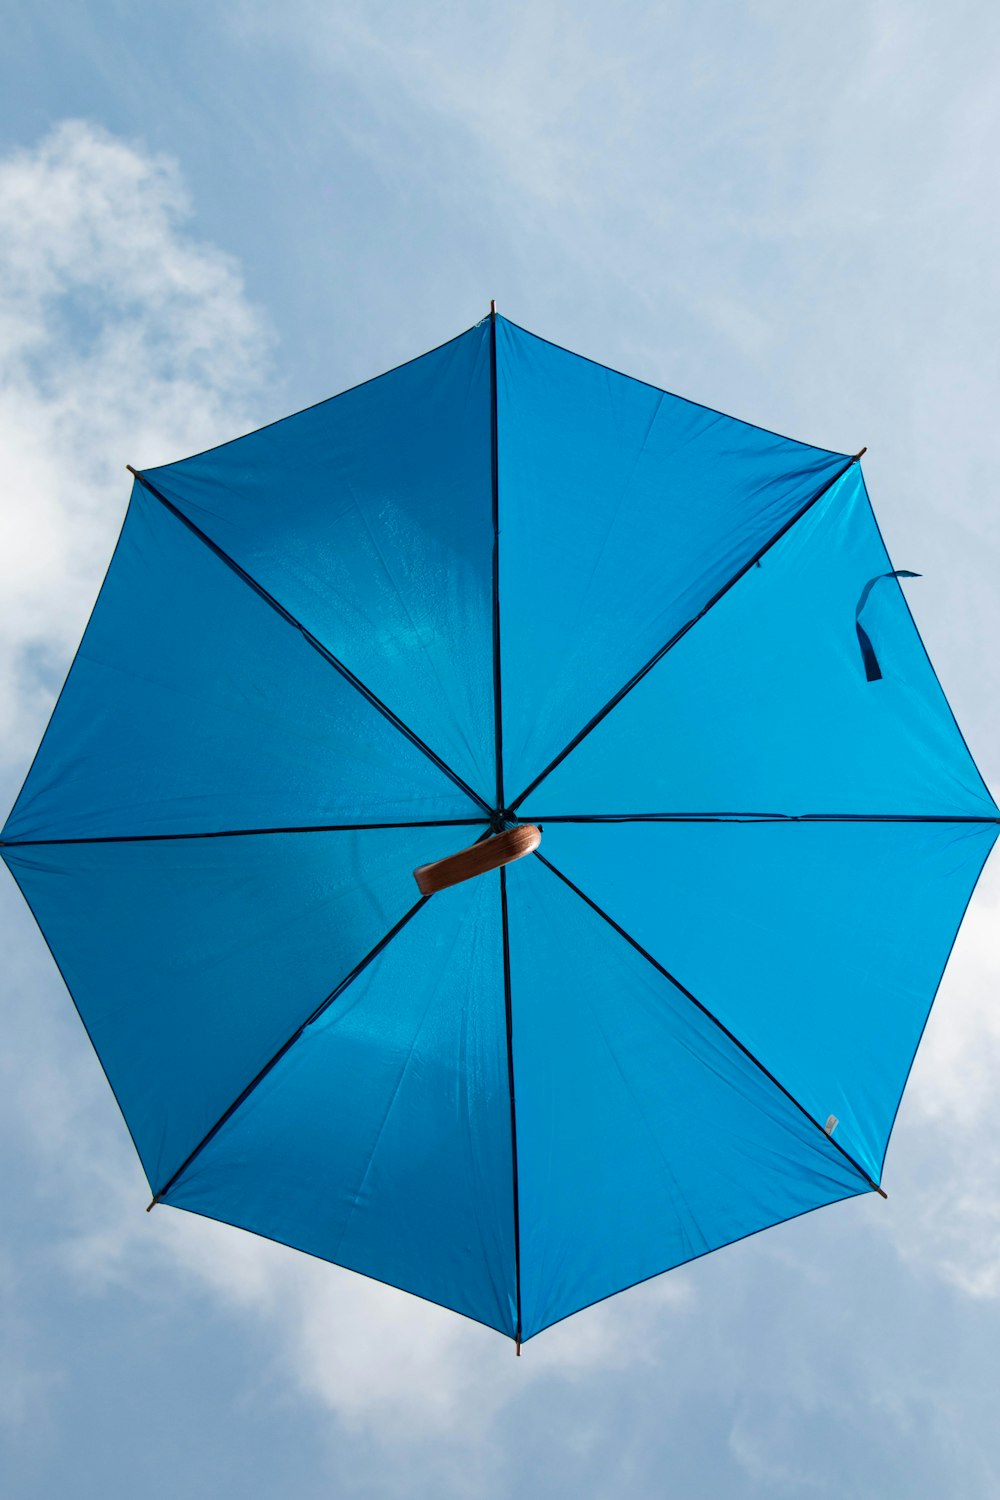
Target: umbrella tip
[133,472]
[493,307]
[860,453]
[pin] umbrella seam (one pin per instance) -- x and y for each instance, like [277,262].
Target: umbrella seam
[495,484]
[238,833]
[540,818]
[499,815]
[683,631]
[509,1018]
[307,635]
[758,817]
[714,1019]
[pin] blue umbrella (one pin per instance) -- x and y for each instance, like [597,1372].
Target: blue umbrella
[497,595]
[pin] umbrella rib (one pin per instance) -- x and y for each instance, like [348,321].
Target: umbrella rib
[324,1005]
[644,953]
[308,636]
[508,1009]
[760,817]
[495,481]
[235,833]
[679,634]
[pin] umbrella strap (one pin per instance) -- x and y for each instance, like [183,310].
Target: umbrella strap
[873,671]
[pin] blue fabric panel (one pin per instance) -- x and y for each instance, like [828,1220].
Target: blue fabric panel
[622,511]
[381,1140]
[192,961]
[765,707]
[644,1136]
[819,945]
[369,517]
[193,707]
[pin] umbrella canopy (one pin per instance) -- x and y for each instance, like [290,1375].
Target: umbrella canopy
[503,586]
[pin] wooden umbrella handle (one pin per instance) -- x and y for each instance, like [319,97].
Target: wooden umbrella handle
[488,854]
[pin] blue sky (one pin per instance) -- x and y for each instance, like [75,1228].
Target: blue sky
[210,216]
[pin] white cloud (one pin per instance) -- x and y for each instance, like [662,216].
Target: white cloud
[386,1361]
[126,339]
[381,1361]
[753,1446]
[122,339]
[806,196]
[25,1379]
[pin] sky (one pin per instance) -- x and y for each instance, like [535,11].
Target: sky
[213,215]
